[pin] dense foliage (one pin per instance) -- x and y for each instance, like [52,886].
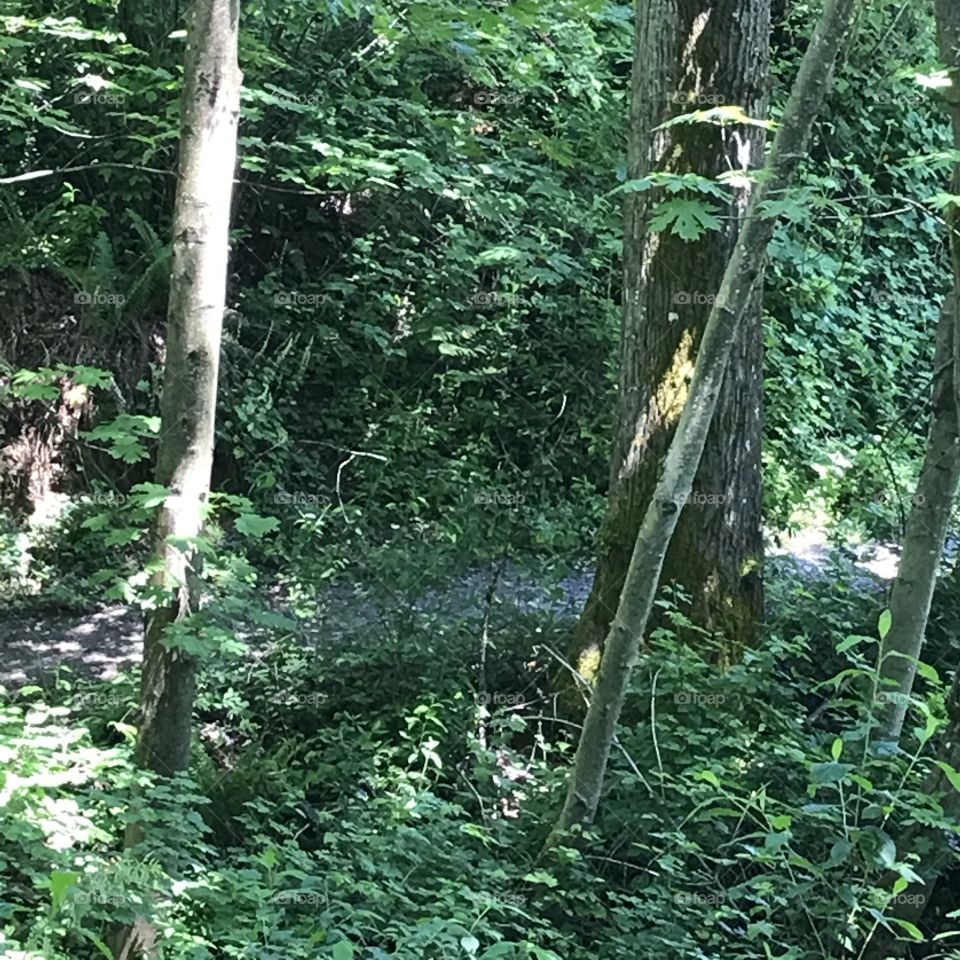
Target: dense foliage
[417,389]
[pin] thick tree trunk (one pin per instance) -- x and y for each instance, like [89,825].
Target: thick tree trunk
[688,55]
[210,110]
[923,539]
[683,459]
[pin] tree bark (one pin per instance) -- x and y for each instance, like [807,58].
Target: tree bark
[936,853]
[923,539]
[683,458]
[210,110]
[688,55]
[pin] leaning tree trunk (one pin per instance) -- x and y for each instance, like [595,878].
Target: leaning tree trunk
[683,458]
[210,109]
[688,55]
[930,515]
[937,857]
[923,539]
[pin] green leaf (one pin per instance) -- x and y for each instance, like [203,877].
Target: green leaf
[343,950]
[709,776]
[837,748]
[60,882]
[689,219]
[502,254]
[911,929]
[253,525]
[950,773]
[470,943]
[927,672]
[824,773]
[839,852]
[541,876]
[883,625]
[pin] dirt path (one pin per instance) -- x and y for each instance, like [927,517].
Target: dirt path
[100,644]
[104,643]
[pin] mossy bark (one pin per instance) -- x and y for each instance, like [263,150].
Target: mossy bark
[689,55]
[680,466]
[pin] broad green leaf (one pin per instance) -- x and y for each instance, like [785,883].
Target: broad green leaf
[60,882]
[687,218]
[253,525]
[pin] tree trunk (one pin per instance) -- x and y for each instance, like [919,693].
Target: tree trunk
[923,539]
[683,458]
[688,55]
[938,856]
[210,109]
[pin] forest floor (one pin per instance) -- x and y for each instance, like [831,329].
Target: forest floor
[103,642]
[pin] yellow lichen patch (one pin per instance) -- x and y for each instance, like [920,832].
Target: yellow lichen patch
[671,393]
[588,663]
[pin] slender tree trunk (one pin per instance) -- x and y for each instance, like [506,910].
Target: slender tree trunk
[688,55]
[208,145]
[924,537]
[210,109]
[937,855]
[930,515]
[732,301]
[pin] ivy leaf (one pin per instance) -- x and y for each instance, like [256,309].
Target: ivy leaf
[688,219]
